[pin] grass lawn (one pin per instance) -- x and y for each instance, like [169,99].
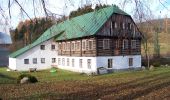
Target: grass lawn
[145,84]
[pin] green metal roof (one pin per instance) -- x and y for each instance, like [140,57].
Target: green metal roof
[84,25]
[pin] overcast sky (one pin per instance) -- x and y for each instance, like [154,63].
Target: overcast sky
[62,7]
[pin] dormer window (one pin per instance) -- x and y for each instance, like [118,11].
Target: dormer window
[42,47]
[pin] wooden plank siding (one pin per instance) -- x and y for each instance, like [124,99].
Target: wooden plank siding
[77,50]
[117,29]
[117,50]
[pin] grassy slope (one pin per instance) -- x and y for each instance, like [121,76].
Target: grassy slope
[68,85]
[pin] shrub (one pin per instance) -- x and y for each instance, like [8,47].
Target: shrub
[32,79]
[156,64]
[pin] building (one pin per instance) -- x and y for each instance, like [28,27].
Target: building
[106,38]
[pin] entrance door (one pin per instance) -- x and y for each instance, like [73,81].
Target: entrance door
[110,61]
[130,62]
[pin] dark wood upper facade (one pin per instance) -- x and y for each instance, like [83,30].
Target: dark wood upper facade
[118,36]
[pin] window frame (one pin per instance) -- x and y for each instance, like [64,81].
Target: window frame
[90,47]
[125,44]
[53,60]
[52,47]
[68,62]
[81,63]
[108,44]
[42,60]
[42,47]
[130,62]
[84,45]
[34,60]
[26,61]
[73,61]
[133,44]
[89,63]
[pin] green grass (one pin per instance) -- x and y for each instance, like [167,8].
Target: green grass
[69,85]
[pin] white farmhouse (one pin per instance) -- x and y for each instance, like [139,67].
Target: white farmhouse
[106,38]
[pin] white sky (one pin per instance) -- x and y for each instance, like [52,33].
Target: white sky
[62,7]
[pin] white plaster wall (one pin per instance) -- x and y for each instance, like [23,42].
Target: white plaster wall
[76,67]
[12,63]
[36,52]
[119,62]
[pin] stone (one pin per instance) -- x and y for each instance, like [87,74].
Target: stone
[143,68]
[151,67]
[24,80]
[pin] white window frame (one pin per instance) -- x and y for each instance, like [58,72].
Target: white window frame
[84,45]
[125,44]
[81,63]
[68,62]
[91,45]
[78,45]
[133,44]
[73,61]
[89,63]
[73,46]
[68,46]
[130,62]
[63,61]
[53,45]
[53,60]
[111,63]
[107,42]
[26,61]
[42,60]
[34,60]
[42,47]
[59,61]
[123,25]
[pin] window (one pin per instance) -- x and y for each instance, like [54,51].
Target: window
[129,26]
[117,44]
[123,25]
[42,60]
[125,44]
[133,44]
[68,46]
[26,61]
[84,45]
[90,45]
[64,46]
[106,44]
[110,63]
[130,61]
[68,62]
[78,45]
[59,61]
[34,60]
[72,62]
[53,60]
[73,46]
[42,47]
[59,46]
[89,63]
[114,25]
[80,63]
[52,47]
[63,62]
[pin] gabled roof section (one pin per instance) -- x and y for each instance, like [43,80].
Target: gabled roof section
[81,26]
